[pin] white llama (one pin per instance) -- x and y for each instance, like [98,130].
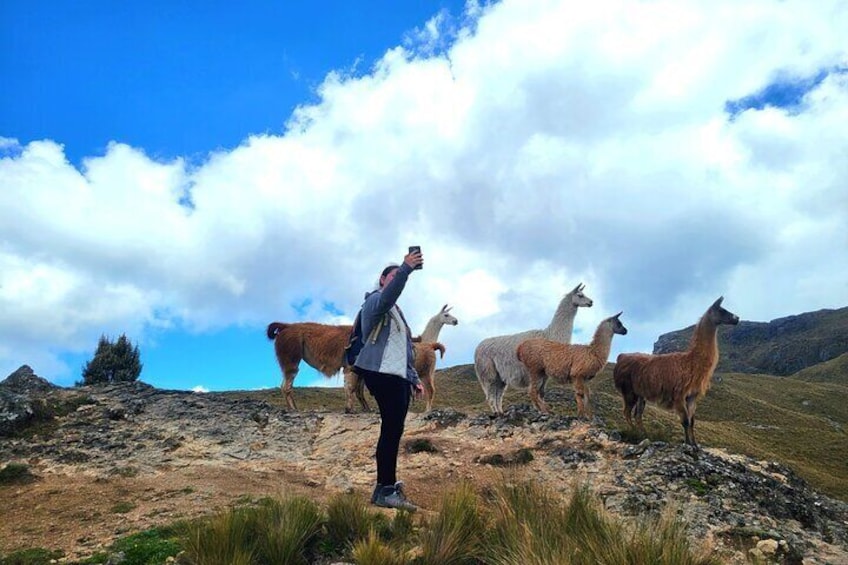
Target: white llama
[495,360]
[434,325]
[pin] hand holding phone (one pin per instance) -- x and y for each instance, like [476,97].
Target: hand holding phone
[417,263]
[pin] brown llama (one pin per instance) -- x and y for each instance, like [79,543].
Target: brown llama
[674,381]
[322,346]
[577,364]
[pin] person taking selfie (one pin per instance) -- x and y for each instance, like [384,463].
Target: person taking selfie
[385,363]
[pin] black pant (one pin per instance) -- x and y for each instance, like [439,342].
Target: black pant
[392,394]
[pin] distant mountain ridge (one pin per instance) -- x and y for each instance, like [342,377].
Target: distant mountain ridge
[781,347]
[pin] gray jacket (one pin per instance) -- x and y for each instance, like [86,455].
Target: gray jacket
[387,342]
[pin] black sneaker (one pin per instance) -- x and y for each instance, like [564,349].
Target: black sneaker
[376,493]
[391,497]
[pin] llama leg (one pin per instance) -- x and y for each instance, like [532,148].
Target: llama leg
[581,394]
[690,417]
[640,409]
[537,381]
[500,389]
[429,391]
[488,378]
[629,403]
[353,385]
[288,386]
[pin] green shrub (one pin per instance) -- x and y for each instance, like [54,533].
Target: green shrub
[350,520]
[15,473]
[113,362]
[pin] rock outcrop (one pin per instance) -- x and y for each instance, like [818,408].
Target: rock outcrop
[22,400]
[133,432]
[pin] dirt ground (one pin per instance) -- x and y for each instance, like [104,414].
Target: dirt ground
[81,511]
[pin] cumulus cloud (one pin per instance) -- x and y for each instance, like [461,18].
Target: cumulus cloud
[541,145]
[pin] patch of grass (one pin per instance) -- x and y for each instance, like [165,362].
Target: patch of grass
[284,531]
[34,556]
[150,547]
[532,525]
[15,473]
[699,487]
[126,472]
[419,445]
[522,456]
[373,550]
[455,536]
[349,521]
[123,507]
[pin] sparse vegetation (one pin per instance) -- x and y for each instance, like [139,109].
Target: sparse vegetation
[123,507]
[35,556]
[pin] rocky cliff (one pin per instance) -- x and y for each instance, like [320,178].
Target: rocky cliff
[168,455]
[780,347]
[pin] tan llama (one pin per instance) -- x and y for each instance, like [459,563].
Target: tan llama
[577,364]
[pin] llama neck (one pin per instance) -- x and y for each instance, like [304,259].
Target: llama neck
[602,341]
[705,342]
[431,332]
[562,324]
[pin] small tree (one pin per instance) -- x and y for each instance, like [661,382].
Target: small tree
[112,363]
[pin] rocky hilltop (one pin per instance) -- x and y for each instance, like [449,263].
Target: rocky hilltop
[780,347]
[164,455]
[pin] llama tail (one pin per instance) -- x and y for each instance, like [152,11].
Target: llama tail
[518,352]
[440,348]
[274,328]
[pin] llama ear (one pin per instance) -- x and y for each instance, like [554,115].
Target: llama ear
[449,309]
[445,308]
[717,303]
[619,314]
[578,288]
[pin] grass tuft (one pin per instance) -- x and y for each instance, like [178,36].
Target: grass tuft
[373,550]
[455,536]
[348,521]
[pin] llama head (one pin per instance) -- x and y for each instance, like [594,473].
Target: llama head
[445,317]
[579,299]
[719,315]
[617,326]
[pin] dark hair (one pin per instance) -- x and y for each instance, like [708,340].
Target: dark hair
[388,270]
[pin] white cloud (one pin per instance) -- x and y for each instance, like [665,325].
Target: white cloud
[555,143]
[199,388]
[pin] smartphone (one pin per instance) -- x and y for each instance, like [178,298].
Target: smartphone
[413,249]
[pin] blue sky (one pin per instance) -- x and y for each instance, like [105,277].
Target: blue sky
[188,173]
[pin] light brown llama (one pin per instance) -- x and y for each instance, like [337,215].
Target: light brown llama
[675,381]
[425,366]
[322,347]
[577,364]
